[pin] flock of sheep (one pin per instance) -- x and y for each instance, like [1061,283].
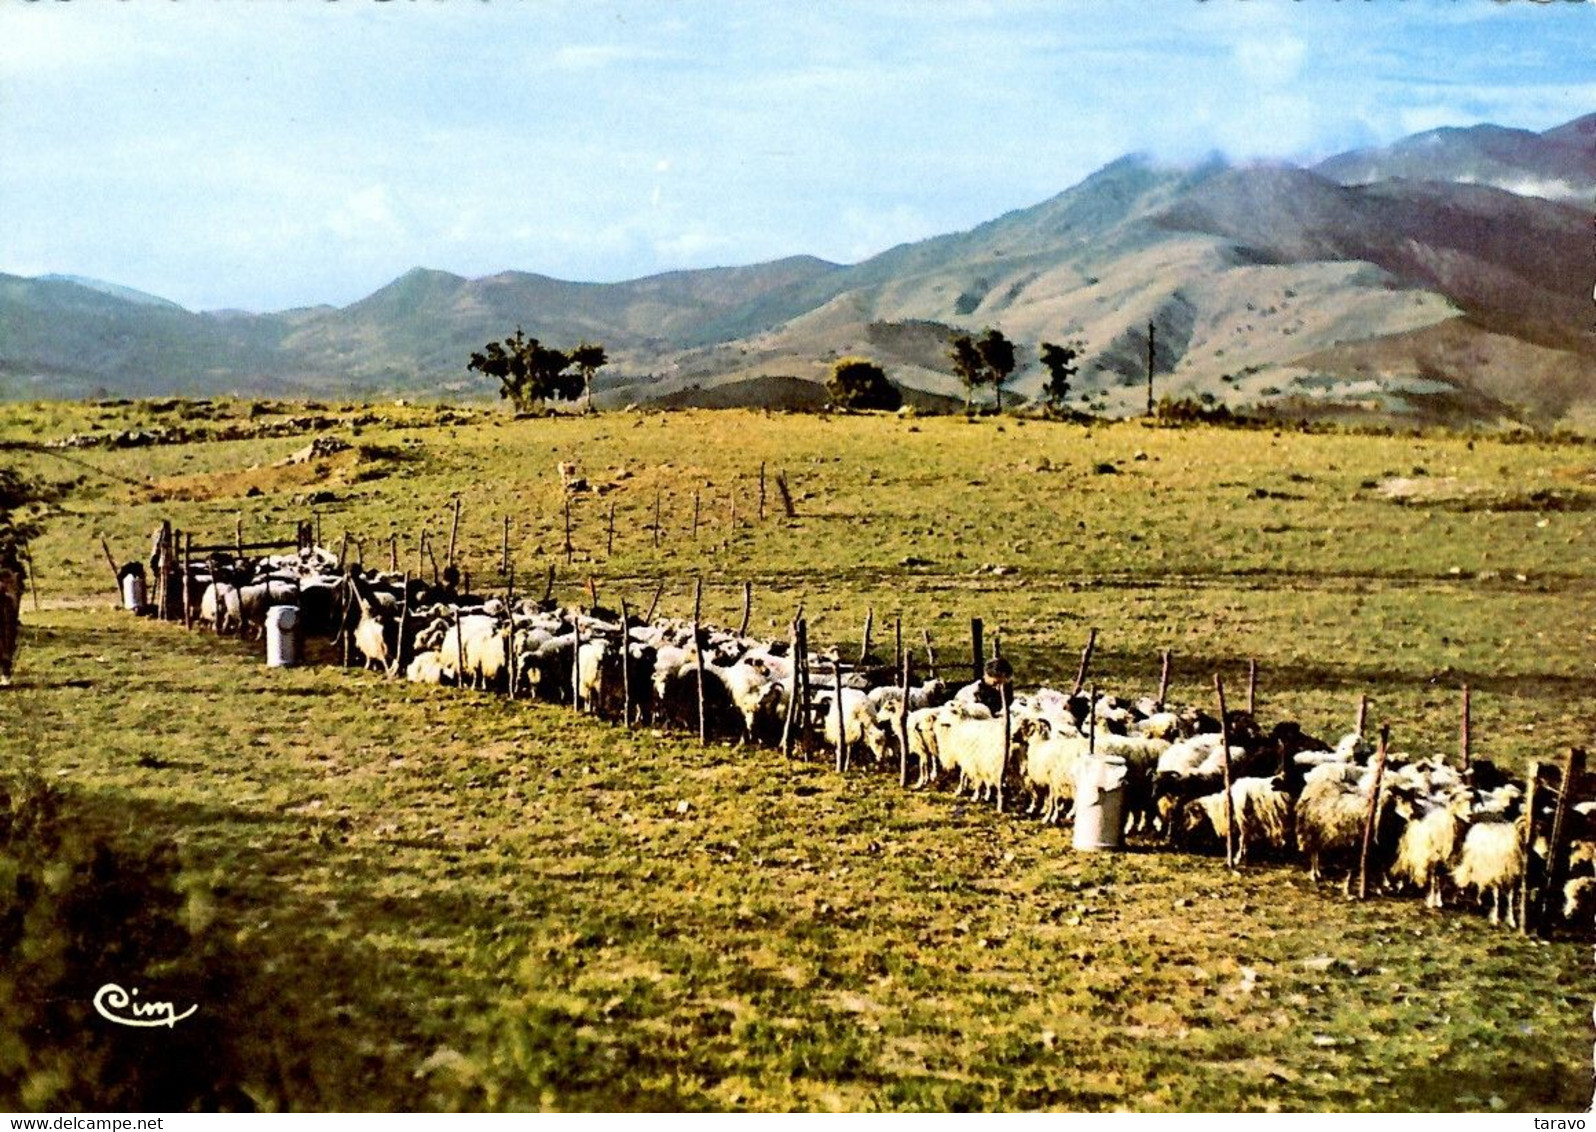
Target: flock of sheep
[1435,828]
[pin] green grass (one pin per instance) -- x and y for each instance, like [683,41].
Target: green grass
[468,903]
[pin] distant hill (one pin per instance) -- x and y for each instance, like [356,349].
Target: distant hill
[114,289]
[1558,165]
[1444,274]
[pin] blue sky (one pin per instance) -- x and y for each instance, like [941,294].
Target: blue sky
[264,156]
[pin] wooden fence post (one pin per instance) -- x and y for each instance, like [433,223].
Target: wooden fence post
[905,659]
[569,550]
[930,654]
[1363,712]
[761,491]
[1373,817]
[393,552]
[659,592]
[786,495]
[804,696]
[576,659]
[609,534]
[1003,761]
[454,530]
[1527,888]
[794,693]
[842,729]
[698,660]
[504,552]
[869,627]
[1165,663]
[1086,664]
[626,663]
[1557,847]
[116,573]
[401,662]
[188,551]
[748,608]
[1252,687]
[1224,762]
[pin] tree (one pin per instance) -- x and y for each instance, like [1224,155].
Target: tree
[1062,363]
[967,364]
[589,358]
[987,361]
[858,383]
[528,371]
[997,352]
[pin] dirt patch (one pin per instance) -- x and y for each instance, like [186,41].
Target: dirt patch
[304,469]
[1448,493]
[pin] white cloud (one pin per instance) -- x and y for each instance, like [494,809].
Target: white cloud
[1271,62]
[368,212]
[599,56]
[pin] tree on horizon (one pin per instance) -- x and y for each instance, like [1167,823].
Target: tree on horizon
[1062,363]
[529,372]
[859,383]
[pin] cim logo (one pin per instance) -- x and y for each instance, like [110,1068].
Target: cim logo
[111,1000]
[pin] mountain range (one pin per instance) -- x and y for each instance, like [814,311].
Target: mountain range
[1446,277]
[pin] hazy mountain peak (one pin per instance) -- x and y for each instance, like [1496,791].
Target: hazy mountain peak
[115,290]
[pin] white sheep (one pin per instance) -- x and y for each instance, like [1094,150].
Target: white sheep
[474,646]
[1263,811]
[976,748]
[758,696]
[861,724]
[1428,843]
[425,668]
[219,607]
[1048,767]
[1331,814]
[1492,864]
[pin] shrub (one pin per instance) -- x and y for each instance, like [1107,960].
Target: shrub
[858,383]
[76,914]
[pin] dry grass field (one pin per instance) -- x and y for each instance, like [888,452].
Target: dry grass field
[428,898]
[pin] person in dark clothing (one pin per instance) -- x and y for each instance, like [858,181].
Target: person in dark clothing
[991,689]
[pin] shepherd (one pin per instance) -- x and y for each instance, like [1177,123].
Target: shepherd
[12,580]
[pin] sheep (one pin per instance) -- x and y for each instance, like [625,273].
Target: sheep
[1160,725]
[1331,813]
[591,675]
[976,748]
[1428,844]
[861,724]
[425,668]
[474,646]
[889,697]
[1579,899]
[923,744]
[1263,809]
[219,608]
[1492,864]
[760,699]
[1047,765]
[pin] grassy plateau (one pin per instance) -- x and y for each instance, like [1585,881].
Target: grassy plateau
[445,899]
